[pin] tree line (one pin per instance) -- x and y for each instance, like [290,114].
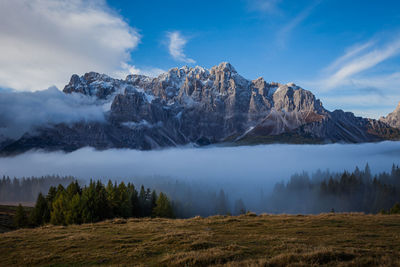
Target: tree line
[322,191]
[94,202]
[188,200]
[357,191]
[27,189]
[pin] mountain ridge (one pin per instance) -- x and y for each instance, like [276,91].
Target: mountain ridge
[199,106]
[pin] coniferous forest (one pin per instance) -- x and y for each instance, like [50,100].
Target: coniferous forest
[357,191]
[26,189]
[95,202]
[72,203]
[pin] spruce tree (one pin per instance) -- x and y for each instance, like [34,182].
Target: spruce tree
[59,209]
[124,201]
[40,212]
[20,218]
[74,212]
[134,200]
[153,200]
[142,201]
[163,207]
[89,209]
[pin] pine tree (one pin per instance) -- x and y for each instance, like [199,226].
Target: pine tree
[103,207]
[142,201]
[40,212]
[59,209]
[124,201]
[74,212]
[367,173]
[153,200]
[163,207]
[111,198]
[134,200]
[89,210]
[73,189]
[20,218]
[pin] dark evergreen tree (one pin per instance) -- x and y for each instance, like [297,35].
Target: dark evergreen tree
[143,202]
[163,207]
[59,208]
[134,200]
[74,212]
[40,212]
[20,217]
[153,200]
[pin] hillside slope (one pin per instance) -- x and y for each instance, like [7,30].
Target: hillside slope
[247,240]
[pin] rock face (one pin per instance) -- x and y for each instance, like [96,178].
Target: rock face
[200,106]
[393,119]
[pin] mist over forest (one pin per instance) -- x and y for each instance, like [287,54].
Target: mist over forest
[264,178]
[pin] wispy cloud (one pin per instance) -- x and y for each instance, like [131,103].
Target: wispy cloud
[353,63]
[43,42]
[355,82]
[266,6]
[284,32]
[350,53]
[176,44]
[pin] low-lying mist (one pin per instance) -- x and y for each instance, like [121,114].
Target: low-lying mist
[242,172]
[263,164]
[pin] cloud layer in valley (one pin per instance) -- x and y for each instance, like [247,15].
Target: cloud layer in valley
[236,169]
[43,42]
[23,111]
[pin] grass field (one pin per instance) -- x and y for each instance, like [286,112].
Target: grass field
[247,240]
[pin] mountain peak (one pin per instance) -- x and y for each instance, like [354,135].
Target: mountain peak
[225,67]
[393,118]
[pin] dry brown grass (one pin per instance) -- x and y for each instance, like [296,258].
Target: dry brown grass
[266,240]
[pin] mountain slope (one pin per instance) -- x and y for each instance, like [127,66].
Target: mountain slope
[393,118]
[200,106]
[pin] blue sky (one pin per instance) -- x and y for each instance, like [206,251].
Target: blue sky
[345,52]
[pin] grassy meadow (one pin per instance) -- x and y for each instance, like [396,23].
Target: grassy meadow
[349,239]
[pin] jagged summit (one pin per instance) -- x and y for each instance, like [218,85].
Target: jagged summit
[393,118]
[196,105]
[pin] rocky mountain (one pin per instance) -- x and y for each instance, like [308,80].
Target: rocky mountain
[200,106]
[393,118]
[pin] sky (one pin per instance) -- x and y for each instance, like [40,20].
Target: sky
[346,52]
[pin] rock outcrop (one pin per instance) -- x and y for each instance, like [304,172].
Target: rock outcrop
[393,118]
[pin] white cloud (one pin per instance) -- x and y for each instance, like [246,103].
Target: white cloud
[23,111]
[354,81]
[350,53]
[43,42]
[130,69]
[176,45]
[349,65]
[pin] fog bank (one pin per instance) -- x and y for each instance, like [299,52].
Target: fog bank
[21,112]
[259,165]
